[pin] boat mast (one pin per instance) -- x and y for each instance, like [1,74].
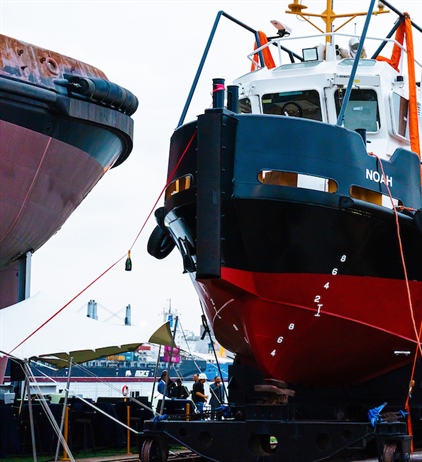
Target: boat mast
[328,16]
[167,314]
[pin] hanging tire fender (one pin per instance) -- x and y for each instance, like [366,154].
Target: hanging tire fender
[160,243]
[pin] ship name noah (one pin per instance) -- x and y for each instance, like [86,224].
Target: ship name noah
[378,178]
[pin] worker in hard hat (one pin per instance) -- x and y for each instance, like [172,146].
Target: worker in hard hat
[198,393]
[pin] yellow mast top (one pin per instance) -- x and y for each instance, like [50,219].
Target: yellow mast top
[328,16]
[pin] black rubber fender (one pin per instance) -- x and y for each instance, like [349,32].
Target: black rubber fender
[103,92]
[160,243]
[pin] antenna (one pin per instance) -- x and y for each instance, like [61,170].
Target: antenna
[328,16]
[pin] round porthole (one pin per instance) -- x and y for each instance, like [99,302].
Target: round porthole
[263,445]
[52,66]
[205,439]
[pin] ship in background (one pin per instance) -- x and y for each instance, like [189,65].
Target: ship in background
[191,354]
[63,125]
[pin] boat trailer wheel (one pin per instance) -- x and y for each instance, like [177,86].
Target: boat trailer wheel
[154,450]
[292,109]
[389,453]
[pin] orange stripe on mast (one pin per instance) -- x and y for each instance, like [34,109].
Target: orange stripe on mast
[413,105]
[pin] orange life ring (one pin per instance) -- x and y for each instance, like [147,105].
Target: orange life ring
[125,390]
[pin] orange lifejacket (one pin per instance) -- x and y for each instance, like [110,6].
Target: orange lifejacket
[266,53]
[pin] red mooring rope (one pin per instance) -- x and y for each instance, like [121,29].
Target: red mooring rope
[409,297]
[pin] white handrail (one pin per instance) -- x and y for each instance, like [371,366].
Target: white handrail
[282,40]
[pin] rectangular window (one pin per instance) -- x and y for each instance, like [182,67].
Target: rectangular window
[361,111]
[245,106]
[304,104]
[400,109]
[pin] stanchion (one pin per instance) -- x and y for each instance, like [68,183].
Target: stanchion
[66,432]
[128,424]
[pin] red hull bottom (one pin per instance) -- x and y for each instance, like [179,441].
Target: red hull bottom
[312,329]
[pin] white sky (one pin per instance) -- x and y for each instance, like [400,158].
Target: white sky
[153,49]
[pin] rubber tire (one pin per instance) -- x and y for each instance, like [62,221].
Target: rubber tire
[160,243]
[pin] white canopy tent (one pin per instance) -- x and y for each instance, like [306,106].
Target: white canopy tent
[31,329]
[39,329]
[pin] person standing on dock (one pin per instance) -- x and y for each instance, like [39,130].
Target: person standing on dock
[165,384]
[180,391]
[217,396]
[195,380]
[198,393]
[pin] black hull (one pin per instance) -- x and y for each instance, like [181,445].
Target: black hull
[226,201]
[262,253]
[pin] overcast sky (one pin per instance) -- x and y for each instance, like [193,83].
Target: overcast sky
[153,49]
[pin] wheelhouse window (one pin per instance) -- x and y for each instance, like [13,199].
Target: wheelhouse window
[400,110]
[361,111]
[245,106]
[304,104]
